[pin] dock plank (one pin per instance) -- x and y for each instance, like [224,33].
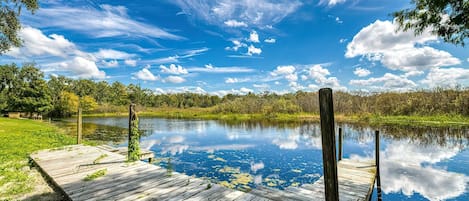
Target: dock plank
[68,166]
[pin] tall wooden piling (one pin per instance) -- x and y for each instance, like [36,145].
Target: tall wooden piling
[340,144]
[79,126]
[326,111]
[134,137]
[378,177]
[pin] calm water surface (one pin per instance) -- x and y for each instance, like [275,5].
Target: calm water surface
[416,163]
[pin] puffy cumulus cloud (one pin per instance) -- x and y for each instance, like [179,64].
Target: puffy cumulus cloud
[99,22]
[145,75]
[270,40]
[283,70]
[255,13]
[398,50]
[253,50]
[361,72]
[417,59]
[446,77]
[320,76]
[130,62]
[234,23]
[173,69]
[254,37]
[82,68]
[387,82]
[331,2]
[174,79]
[35,43]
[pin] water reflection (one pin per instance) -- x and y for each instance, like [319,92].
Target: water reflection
[416,162]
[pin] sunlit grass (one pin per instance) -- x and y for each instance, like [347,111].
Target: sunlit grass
[18,139]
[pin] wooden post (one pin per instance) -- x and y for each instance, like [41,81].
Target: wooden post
[340,144]
[79,126]
[326,111]
[133,153]
[378,177]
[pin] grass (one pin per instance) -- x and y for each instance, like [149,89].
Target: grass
[97,160]
[374,119]
[95,175]
[18,139]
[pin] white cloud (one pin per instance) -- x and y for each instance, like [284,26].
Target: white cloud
[195,52]
[112,54]
[331,2]
[236,45]
[174,79]
[191,89]
[130,62]
[234,23]
[254,50]
[388,82]
[82,68]
[105,21]
[254,37]
[145,75]
[342,40]
[283,70]
[319,74]
[338,20]
[110,63]
[245,90]
[164,60]
[398,50]
[361,72]
[236,80]
[212,69]
[35,43]
[270,40]
[258,13]
[446,77]
[173,69]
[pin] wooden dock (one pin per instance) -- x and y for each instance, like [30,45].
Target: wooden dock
[68,167]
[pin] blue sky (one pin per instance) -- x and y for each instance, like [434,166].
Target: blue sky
[228,46]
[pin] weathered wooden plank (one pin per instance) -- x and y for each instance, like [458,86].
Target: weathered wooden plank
[143,181]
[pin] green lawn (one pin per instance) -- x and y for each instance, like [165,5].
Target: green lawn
[18,139]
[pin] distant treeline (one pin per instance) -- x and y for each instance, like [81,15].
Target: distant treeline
[25,90]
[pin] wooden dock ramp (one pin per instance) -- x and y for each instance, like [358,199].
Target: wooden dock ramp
[68,167]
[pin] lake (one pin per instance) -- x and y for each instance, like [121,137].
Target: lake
[417,163]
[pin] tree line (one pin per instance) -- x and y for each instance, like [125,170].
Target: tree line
[25,90]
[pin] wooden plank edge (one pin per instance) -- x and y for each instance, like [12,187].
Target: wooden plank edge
[49,179]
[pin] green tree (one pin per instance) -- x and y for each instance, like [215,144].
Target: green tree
[68,103]
[32,94]
[9,22]
[87,103]
[445,18]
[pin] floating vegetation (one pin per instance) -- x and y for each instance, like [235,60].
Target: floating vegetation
[273,182]
[296,170]
[242,179]
[97,160]
[220,159]
[230,170]
[295,184]
[95,175]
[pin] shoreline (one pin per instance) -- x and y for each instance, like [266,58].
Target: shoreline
[372,119]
